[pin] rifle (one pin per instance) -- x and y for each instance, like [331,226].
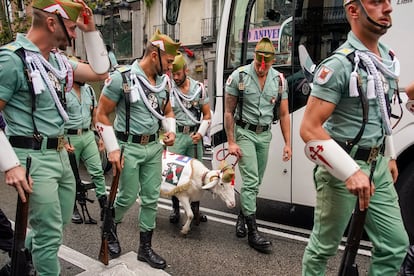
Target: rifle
[82,188]
[20,255]
[109,214]
[348,265]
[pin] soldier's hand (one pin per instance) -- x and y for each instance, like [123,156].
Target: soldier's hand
[101,145]
[169,139]
[359,185]
[287,153]
[85,21]
[393,169]
[69,148]
[235,150]
[17,177]
[196,137]
[115,158]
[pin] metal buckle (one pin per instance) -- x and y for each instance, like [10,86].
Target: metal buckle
[373,154]
[144,139]
[61,143]
[186,129]
[259,129]
[79,131]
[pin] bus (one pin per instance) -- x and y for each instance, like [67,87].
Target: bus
[288,190]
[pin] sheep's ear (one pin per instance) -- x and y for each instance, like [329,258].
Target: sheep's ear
[211,184]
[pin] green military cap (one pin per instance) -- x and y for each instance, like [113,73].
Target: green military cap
[66,8]
[346,2]
[165,43]
[264,49]
[179,62]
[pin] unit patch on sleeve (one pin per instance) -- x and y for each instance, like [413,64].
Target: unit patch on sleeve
[324,74]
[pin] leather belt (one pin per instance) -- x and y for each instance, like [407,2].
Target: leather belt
[186,129]
[255,128]
[364,154]
[142,139]
[78,131]
[24,142]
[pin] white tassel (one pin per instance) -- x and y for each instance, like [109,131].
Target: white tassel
[134,95]
[353,85]
[370,87]
[37,82]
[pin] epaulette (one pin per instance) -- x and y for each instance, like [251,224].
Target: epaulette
[11,47]
[123,68]
[345,51]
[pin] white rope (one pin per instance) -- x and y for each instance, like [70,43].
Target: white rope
[156,89]
[176,92]
[38,63]
[371,63]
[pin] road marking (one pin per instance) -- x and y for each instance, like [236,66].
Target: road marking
[285,230]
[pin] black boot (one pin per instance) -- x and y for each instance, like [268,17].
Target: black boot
[146,254]
[255,240]
[241,226]
[175,215]
[6,270]
[102,203]
[76,217]
[113,243]
[198,216]
[407,267]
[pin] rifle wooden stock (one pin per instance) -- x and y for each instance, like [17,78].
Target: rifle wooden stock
[20,255]
[109,213]
[348,266]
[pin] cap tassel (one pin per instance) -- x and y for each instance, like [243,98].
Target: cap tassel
[85,18]
[263,64]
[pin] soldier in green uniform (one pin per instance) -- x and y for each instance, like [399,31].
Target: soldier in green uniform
[255,90]
[35,115]
[81,107]
[189,102]
[344,127]
[139,95]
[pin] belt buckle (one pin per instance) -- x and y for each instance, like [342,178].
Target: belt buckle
[186,129]
[61,143]
[144,139]
[79,131]
[373,154]
[259,129]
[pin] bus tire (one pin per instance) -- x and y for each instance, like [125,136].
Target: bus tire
[405,189]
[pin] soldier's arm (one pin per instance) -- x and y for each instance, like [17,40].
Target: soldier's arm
[285,127]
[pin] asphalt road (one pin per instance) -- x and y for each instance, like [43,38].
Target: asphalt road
[209,249]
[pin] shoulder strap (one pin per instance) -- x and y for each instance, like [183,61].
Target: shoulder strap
[127,91]
[241,88]
[276,108]
[364,104]
[22,55]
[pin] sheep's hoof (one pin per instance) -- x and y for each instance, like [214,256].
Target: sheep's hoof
[185,231]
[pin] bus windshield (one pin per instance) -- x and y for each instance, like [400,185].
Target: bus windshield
[264,18]
[320,25]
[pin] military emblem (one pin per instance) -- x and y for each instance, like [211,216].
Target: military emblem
[152,99]
[187,104]
[55,82]
[324,74]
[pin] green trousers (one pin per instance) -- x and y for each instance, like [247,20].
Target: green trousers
[50,206]
[184,145]
[87,151]
[334,206]
[255,150]
[141,176]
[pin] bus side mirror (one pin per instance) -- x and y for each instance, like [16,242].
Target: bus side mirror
[171,9]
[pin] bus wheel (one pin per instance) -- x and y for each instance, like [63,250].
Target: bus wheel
[405,189]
